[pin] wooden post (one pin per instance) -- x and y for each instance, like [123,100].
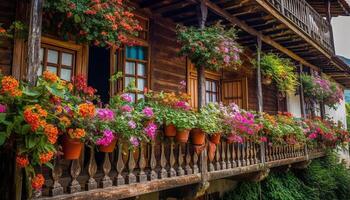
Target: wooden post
[329,19]
[301,88]
[34,40]
[258,72]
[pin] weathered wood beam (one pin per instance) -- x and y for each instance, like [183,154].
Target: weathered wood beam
[258,80]
[301,91]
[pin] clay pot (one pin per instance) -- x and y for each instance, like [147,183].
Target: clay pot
[182,136]
[266,80]
[198,136]
[215,138]
[71,148]
[170,130]
[109,148]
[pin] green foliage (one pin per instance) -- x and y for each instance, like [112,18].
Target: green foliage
[347,105]
[184,120]
[209,119]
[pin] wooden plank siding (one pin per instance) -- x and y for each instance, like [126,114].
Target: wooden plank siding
[7,16]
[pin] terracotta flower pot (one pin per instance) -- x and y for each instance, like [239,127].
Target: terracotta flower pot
[170,130]
[182,136]
[266,80]
[109,148]
[215,138]
[198,136]
[71,148]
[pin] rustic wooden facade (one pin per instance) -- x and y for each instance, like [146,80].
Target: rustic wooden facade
[293,28]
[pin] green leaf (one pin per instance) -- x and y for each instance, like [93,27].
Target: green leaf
[2,117]
[77,19]
[55,91]
[29,92]
[31,141]
[49,165]
[2,138]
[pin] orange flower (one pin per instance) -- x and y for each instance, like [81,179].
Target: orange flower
[45,157]
[51,132]
[77,133]
[33,115]
[70,86]
[49,76]
[2,30]
[10,85]
[87,110]
[38,182]
[58,109]
[65,121]
[22,161]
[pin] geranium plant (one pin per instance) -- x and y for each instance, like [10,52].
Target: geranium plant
[105,23]
[213,47]
[280,70]
[210,120]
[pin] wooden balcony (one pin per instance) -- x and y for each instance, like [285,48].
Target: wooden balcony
[160,166]
[306,18]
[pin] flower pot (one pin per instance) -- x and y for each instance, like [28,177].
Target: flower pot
[215,138]
[71,148]
[266,80]
[198,136]
[182,136]
[170,130]
[109,148]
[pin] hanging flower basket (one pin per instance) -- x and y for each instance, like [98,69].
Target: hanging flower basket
[182,136]
[71,148]
[198,136]
[215,138]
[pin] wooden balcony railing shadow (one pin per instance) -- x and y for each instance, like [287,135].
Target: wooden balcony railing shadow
[159,166]
[307,19]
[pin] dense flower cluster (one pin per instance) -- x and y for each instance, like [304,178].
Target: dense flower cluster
[87,110]
[45,157]
[38,182]
[10,85]
[22,161]
[77,133]
[51,132]
[106,139]
[35,116]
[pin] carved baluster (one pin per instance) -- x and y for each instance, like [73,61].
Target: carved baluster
[251,153]
[172,171]
[119,179]
[256,160]
[180,159]
[162,173]
[142,177]
[223,155]
[248,152]
[286,151]
[267,152]
[106,167]
[234,163]
[75,170]
[56,174]
[195,163]
[278,157]
[131,178]
[239,162]
[92,168]
[153,164]
[228,152]
[217,158]
[272,152]
[243,146]
[188,169]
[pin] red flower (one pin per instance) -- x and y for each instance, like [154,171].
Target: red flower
[38,182]
[22,161]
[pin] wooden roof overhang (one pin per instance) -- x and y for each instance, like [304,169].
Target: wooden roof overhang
[257,18]
[338,7]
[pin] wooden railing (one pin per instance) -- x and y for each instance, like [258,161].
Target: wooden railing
[158,166]
[307,19]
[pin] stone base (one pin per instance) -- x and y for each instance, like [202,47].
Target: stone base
[106,182]
[188,170]
[74,187]
[180,171]
[172,172]
[119,180]
[141,177]
[162,174]
[130,178]
[91,184]
[56,191]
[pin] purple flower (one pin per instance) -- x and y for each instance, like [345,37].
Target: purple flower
[3,108]
[132,124]
[107,138]
[148,112]
[126,108]
[150,130]
[134,141]
[126,97]
[105,114]
[67,109]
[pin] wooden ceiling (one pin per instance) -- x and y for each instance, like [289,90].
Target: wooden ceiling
[338,7]
[253,20]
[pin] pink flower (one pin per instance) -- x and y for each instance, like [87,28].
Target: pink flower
[312,136]
[126,108]
[107,138]
[236,138]
[263,139]
[183,105]
[134,141]
[151,130]
[148,112]
[182,84]
[132,124]
[126,97]
[105,114]
[3,108]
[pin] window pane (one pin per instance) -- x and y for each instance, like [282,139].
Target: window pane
[130,68]
[52,56]
[140,96]
[66,74]
[41,54]
[135,52]
[67,59]
[128,81]
[207,97]
[207,85]
[214,98]
[141,69]
[213,85]
[52,69]
[141,84]
[141,53]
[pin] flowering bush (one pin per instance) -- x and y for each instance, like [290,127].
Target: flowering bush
[318,89]
[281,71]
[209,119]
[213,47]
[105,23]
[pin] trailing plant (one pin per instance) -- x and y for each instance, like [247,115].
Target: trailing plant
[213,47]
[105,23]
[281,71]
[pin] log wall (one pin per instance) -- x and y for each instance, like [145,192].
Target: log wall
[7,16]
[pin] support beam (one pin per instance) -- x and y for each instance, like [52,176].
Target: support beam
[258,72]
[34,40]
[329,19]
[301,90]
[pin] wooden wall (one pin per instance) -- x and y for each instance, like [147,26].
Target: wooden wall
[7,16]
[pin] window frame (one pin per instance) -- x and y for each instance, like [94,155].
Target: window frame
[210,92]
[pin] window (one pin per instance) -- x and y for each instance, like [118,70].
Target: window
[211,91]
[135,69]
[57,60]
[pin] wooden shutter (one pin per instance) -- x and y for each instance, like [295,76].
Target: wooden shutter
[235,91]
